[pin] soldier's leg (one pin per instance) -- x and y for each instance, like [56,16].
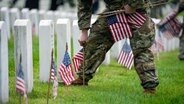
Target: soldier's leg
[143,57]
[98,44]
[181,47]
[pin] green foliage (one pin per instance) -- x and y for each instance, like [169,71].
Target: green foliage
[111,85]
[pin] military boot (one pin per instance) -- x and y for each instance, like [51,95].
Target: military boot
[79,82]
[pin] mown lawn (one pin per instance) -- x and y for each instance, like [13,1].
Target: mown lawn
[112,84]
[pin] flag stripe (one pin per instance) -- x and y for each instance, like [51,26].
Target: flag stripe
[77,60]
[64,74]
[126,28]
[65,70]
[121,28]
[20,83]
[119,24]
[126,57]
[170,26]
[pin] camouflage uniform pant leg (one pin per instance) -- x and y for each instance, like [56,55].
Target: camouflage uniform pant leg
[181,46]
[143,58]
[98,44]
[181,39]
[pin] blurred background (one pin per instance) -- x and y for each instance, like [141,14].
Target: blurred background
[64,5]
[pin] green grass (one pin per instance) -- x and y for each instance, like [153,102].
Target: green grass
[111,85]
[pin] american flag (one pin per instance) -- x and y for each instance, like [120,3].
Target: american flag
[53,76]
[170,26]
[126,57]
[20,83]
[77,60]
[121,23]
[65,70]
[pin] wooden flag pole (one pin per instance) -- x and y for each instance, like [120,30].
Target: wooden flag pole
[26,98]
[48,92]
[83,66]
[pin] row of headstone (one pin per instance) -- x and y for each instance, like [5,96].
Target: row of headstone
[35,16]
[63,33]
[23,47]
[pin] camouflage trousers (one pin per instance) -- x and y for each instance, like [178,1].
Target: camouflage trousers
[100,41]
[181,46]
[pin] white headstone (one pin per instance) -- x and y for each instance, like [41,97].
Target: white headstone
[71,15]
[14,15]
[63,31]
[23,47]
[157,33]
[176,42]
[42,15]
[63,14]
[4,16]
[4,87]
[173,44]
[25,13]
[107,59]
[34,21]
[57,15]
[165,42]
[46,44]
[50,15]
[169,44]
[75,36]
[116,49]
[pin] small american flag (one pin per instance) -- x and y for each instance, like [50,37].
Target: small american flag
[121,23]
[65,70]
[126,57]
[77,60]
[53,76]
[20,83]
[170,26]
